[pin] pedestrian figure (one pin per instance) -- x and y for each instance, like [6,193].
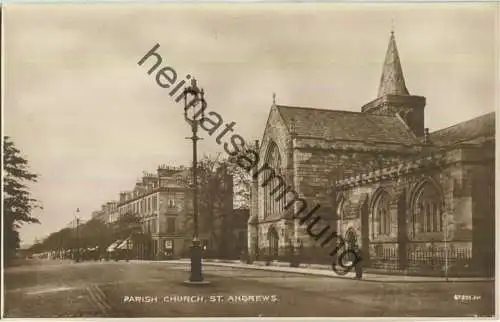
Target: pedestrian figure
[358,262]
[300,249]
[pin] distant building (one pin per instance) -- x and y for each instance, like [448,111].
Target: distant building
[112,212]
[164,201]
[108,212]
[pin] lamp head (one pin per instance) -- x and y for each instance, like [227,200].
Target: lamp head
[193,96]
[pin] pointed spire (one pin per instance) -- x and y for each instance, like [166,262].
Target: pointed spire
[392,80]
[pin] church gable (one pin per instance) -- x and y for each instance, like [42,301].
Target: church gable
[275,134]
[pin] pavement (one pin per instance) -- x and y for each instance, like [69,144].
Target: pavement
[51,288]
[325,270]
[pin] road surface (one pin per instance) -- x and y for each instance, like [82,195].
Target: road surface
[130,289]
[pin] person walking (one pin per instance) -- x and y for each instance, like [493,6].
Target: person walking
[358,263]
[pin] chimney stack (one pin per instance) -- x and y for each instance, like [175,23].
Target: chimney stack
[426,135]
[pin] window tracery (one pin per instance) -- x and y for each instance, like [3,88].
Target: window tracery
[272,189]
[427,213]
[381,225]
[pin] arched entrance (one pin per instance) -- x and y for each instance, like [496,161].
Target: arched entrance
[273,238]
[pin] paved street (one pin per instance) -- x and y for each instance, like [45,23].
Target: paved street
[116,289]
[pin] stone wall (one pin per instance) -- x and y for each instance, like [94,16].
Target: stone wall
[311,167]
[314,173]
[316,170]
[465,180]
[409,107]
[483,212]
[179,210]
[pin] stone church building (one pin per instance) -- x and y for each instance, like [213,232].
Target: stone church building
[413,201]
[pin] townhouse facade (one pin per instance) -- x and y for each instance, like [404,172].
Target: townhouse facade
[163,202]
[108,213]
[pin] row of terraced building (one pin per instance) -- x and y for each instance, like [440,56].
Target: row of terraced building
[164,202]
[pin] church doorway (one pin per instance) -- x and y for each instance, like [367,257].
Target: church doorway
[273,239]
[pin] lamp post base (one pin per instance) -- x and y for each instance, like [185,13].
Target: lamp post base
[196,277]
[196,283]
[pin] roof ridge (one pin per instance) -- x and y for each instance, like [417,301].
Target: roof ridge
[334,111]
[466,121]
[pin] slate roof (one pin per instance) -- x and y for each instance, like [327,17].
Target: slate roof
[345,125]
[482,126]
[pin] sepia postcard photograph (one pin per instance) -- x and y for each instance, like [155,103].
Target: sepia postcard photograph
[249,160]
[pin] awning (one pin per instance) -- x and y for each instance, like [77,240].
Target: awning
[126,244]
[113,246]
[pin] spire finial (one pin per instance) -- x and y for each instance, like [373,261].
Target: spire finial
[393,25]
[274,98]
[392,81]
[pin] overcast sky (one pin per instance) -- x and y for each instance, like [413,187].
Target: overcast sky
[90,120]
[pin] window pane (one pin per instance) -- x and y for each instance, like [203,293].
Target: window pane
[388,230]
[171,225]
[428,217]
[434,218]
[380,220]
[421,218]
[440,219]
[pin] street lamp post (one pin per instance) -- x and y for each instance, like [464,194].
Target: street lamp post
[197,97]
[77,221]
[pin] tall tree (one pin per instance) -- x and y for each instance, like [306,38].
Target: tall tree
[95,233]
[242,184]
[215,201]
[18,203]
[242,179]
[127,225]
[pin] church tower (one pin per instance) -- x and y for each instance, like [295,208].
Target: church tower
[393,96]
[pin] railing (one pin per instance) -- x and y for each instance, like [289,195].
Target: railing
[453,261]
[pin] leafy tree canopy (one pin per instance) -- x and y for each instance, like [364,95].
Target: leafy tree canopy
[17,201]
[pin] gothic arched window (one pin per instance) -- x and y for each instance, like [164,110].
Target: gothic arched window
[273,186]
[382,214]
[428,215]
